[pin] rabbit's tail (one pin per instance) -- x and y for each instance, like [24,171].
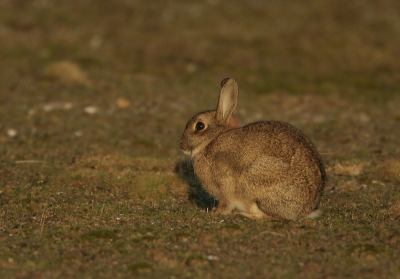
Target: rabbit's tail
[315,214]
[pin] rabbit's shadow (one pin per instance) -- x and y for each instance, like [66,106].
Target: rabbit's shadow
[196,193]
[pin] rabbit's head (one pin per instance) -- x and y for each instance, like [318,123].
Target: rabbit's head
[206,126]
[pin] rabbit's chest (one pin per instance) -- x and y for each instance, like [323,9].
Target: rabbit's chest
[218,170]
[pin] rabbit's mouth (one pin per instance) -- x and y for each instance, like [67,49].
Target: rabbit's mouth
[190,151]
[194,151]
[187,148]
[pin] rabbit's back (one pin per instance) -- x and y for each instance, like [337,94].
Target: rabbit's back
[274,139]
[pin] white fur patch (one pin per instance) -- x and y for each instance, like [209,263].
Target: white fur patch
[194,152]
[235,204]
[187,152]
[315,214]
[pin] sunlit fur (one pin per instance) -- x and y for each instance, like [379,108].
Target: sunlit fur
[264,170]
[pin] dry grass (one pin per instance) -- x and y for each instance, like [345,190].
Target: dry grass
[94,96]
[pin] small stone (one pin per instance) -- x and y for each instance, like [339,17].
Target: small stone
[96,41]
[122,103]
[91,110]
[67,72]
[212,258]
[48,107]
[349,169]
[12,133]
[54,106]
[191,68]
[364,118]
[68,106]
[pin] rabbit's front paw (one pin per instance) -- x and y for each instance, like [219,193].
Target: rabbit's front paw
[223,208]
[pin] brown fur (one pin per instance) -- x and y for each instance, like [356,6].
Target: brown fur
[264,170]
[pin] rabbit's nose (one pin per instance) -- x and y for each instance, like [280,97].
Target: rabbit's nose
[183,143]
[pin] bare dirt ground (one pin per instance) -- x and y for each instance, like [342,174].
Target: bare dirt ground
[94,96]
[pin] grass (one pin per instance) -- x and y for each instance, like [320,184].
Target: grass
[95,195]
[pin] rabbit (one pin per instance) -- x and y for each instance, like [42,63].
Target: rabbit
[264,170]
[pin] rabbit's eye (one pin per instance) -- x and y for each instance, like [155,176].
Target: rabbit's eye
[200,126]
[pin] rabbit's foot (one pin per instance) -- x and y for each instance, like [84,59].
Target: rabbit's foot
[255,213]
[255,216]
[223,208]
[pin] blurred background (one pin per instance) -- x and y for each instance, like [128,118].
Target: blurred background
[94,97]
[100,77]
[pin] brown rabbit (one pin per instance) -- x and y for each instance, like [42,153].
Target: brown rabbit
[264,170]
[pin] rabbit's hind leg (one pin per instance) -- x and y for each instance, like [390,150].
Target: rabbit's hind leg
[256,214]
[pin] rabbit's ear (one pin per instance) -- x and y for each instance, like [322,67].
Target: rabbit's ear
[227,100]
